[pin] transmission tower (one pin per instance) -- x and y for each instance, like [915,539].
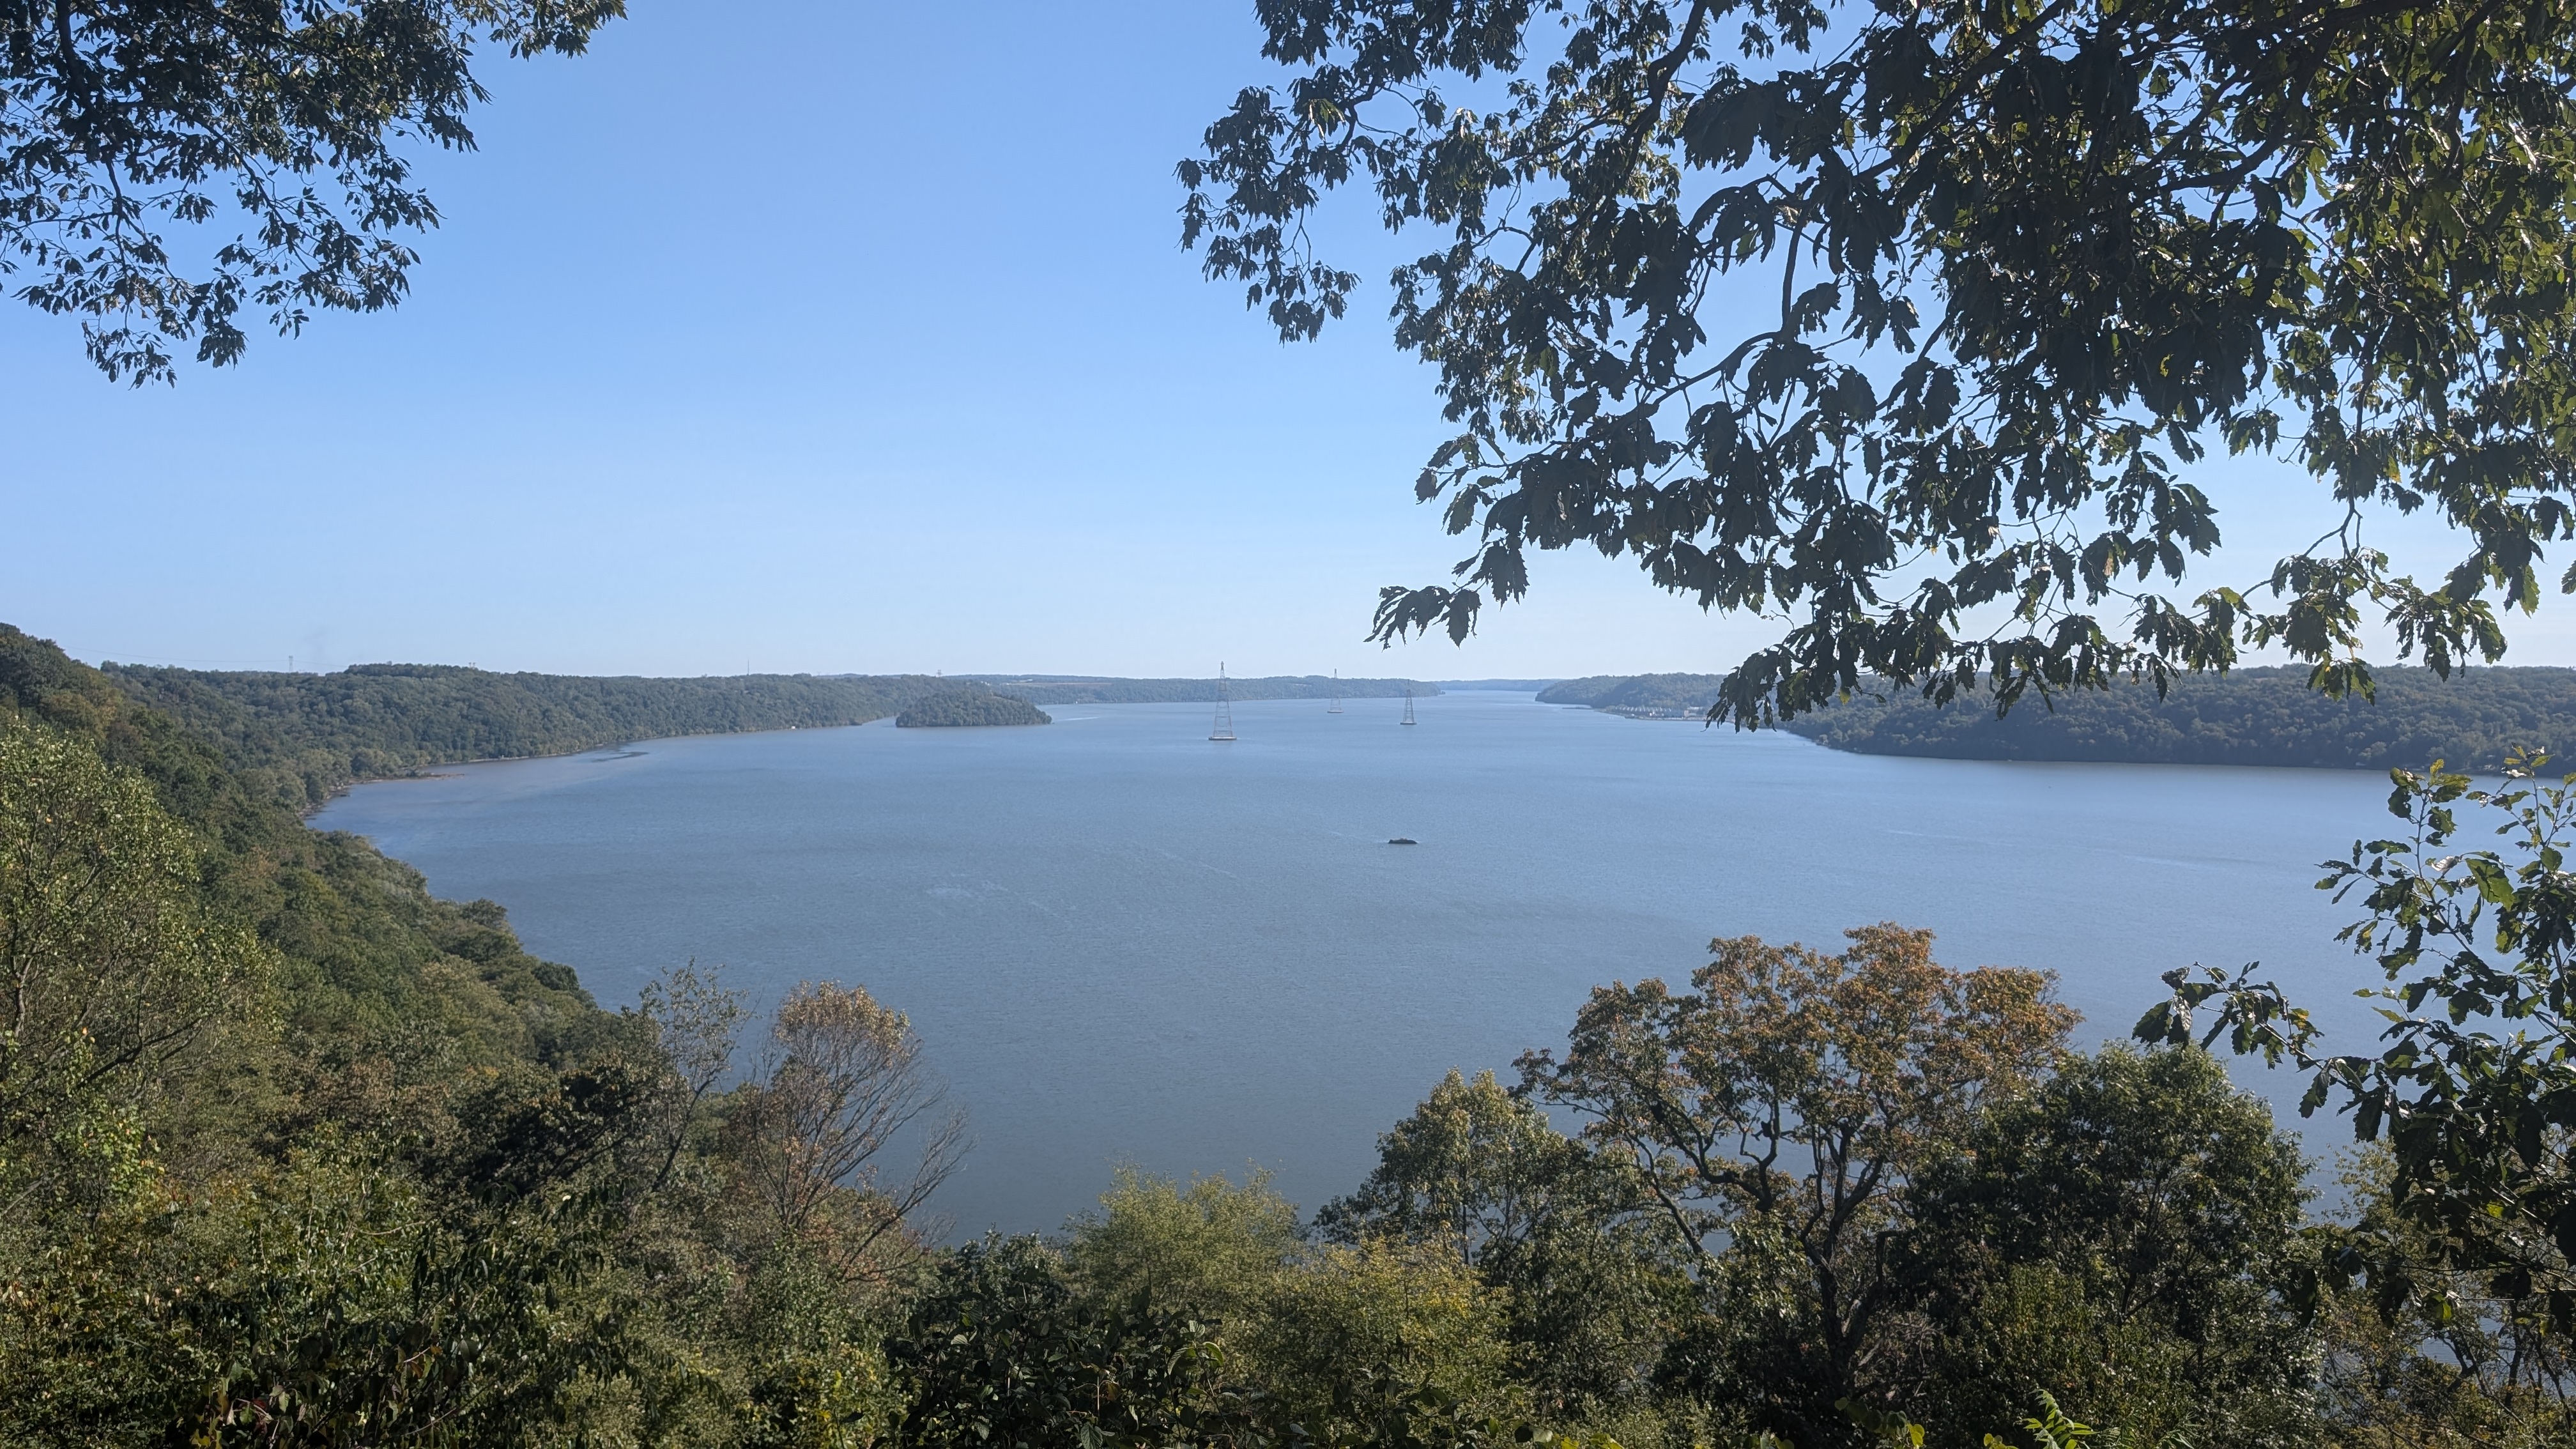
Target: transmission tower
[1224,709]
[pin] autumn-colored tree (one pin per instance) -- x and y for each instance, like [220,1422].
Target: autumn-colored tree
[1775,1114]
[843,1081]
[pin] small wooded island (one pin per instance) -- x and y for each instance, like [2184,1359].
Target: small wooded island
[969,706]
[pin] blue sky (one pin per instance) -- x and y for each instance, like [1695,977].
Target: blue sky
[812,336]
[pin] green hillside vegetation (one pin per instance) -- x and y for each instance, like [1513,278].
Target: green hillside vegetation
[363,951]
[308,736]
[966,707]
[293,1154]
[1087,689]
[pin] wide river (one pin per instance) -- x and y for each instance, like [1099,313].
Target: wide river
[1124,943]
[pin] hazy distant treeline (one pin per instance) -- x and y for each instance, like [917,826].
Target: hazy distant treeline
[312,735]
[1088,689]
[2249,717]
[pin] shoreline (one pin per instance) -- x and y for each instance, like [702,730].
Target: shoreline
[432,769]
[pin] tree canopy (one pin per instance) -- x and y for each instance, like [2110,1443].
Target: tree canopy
[1914,327]
[130,134]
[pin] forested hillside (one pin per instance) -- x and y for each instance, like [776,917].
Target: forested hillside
[2267,716]
[308,736]
[363,946]
[1086,689]
[292,1153]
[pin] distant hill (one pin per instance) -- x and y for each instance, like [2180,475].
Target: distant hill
[2249,717]
[968,706]
[1514,685]
[1647,695]
[312,735]
[1093,689]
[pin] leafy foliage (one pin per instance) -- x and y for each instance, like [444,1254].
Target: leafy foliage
[1786,1103]
[2450,1365]
[2476,1097]
[442,1198]
[1381,1342]
[110,968]
[2125,1236]
[126,129]
[1912,326]
[1590,1282]
[1004,1353]
[1210,1250]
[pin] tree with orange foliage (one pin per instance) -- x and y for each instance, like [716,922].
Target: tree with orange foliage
[843,1082]
[1776,1113]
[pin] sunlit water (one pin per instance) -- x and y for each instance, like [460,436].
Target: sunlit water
[1124,943]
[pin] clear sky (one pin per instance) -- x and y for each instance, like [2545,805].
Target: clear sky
[798,335]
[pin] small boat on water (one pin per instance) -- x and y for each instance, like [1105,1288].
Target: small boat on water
[1404,840]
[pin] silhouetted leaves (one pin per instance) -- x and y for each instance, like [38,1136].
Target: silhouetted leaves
[1910,326]
[124,129]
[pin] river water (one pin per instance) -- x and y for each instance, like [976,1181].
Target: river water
[1124,943]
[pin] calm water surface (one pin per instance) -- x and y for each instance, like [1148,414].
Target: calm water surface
[1125,943]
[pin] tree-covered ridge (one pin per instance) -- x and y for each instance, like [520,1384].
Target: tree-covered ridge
[1641,694]
[1089,689]
[311,735]
[967,706]
[2473,720]
[364,945]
